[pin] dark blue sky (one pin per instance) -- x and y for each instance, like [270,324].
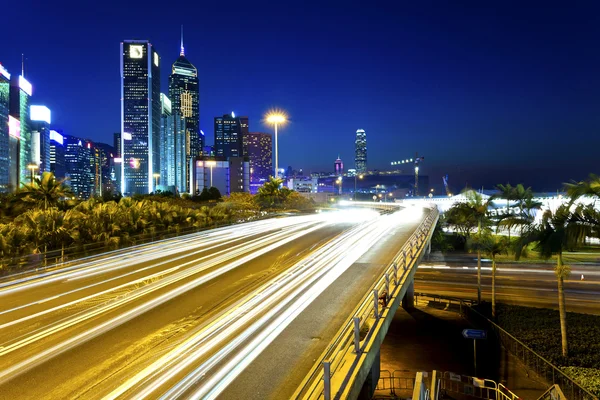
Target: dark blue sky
[487,93]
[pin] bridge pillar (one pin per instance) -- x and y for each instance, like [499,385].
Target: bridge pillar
[408,302]
[368,388]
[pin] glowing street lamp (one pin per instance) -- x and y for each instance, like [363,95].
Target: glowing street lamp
[32,167]
[276,118]
[360,177]
[211,164]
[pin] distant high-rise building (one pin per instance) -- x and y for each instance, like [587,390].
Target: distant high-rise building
[228,136]
[40,137]
[259,149]
[229,175]
[104,156]
[117,160]
[4,134]
[57,155]
[173,148]
[20,94]
[338,166]
[140,116]
[360,151]
[79,165]
[184,93]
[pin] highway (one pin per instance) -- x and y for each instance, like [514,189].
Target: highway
[193,316]
[520,284]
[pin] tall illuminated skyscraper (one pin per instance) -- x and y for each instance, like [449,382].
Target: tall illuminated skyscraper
[4,134]
[228,135]
[184,94]
[259,149]
[57,155]
[40,137]
[360,152]
[140,116]
[20,94]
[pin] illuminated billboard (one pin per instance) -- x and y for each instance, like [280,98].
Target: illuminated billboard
[25,85]
[39,113]
[4,72]
[136,51]
[156,59]
[14,127]
[126,136]
[57,137]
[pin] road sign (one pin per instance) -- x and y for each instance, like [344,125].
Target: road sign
[474,334]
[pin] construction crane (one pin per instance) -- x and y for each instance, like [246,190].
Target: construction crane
[445,179]
[417,160]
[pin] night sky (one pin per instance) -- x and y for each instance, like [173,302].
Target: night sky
[488,94]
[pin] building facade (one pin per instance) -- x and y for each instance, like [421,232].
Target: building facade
[20,95]
[229,140]
[140,116]
[360,151]
[184,93]
[57,155]
[4,134]
[338,167]
[79,162]
[259,149]
[40,137]
[229,175]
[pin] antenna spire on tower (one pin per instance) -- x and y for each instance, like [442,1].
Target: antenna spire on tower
[182,53]
[23,65]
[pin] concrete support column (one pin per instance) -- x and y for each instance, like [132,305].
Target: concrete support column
[408,302]
[368,388]
[428,249]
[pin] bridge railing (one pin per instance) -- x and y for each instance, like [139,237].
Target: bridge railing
[331,374]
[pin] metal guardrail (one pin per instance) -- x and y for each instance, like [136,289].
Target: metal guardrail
[393,382]
[553,393]
[331,374]
[542,367]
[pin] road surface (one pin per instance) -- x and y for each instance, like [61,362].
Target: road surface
[194,316]
[520,284]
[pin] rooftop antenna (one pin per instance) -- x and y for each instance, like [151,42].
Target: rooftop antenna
[182,53]
[23,65]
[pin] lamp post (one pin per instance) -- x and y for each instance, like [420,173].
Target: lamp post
[211,164]
[32,167]
[276,118]
[339,181]
[360,177]
[156,176]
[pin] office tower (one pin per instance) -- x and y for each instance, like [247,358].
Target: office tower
[40,137]
[117,144]
[14,153]
[229,175]
[167,143]
[117,160]
[338,167]
[57,155]
[228,136]
[4,134]
[360,152]
[140,116]
[184,94]
[244,129]
[79,164]
[20,94]
[105,156]
[260,154]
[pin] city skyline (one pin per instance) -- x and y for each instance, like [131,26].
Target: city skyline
[455,112]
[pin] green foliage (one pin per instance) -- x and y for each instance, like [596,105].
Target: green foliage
[440,241]
[45,192]
[589,378]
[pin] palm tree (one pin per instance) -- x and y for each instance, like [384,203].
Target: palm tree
[494,246]
[506,192]
[45,191]
[559,230]
[590,187]
[477,207]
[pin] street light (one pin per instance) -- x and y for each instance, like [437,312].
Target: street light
[211,164]
[360,177]
[32,167]
[156,176]
[276,118]
[339,181]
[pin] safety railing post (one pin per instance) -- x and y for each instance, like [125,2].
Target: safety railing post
[376,303]
[327,380]
[395,274]
[356,335]
[387,287]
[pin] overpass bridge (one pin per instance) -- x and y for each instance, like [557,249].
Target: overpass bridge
[254,311]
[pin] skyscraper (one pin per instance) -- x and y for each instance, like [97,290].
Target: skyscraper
[79,166]
[140,116]
[20,93]
[184,94]
[228,136]
[338,166]
[4,134]
[360,152]
[259,149]
[40,137]
[57,155]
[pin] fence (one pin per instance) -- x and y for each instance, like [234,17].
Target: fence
[341,358]
[394,383]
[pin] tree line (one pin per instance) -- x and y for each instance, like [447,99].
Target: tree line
[559,230]
[45,215]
